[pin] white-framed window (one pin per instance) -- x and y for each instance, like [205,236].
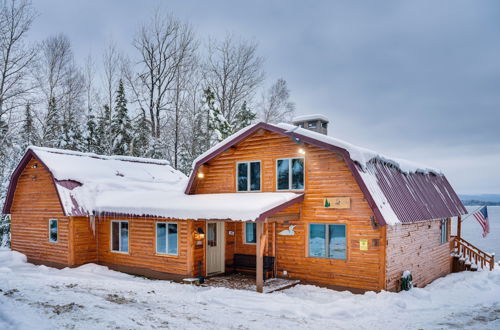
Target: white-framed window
[327,241]
[53,230]
[248,176]
[444,230]
[290,174]
[167,238]
[250,232]
[119,236]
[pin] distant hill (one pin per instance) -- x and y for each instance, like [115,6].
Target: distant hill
[483,199]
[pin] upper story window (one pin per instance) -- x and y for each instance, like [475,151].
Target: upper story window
[119,236]
[311,124]
[53,230]
[166,238]
[290,174]
[248,176]
[327,241]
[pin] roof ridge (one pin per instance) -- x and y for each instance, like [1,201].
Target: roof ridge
[102,157]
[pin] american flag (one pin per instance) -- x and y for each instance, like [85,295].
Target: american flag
[481,216]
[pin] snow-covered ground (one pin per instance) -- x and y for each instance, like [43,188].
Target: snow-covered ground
[93,297]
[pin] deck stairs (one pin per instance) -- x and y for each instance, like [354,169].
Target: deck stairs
[468,257]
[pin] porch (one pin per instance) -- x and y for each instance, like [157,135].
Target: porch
[245,281]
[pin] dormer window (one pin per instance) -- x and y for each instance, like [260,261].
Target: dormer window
[248,176]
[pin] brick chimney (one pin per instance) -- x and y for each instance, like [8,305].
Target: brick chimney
[316,122]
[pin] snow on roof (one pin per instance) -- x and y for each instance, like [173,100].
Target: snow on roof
[310,117]
[93,184]
[234,206]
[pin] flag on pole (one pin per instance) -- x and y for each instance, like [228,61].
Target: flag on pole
[481,216]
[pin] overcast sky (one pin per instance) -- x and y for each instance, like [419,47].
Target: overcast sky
[417,80]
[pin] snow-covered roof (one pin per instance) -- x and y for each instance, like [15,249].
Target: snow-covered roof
[93,184]
[310,117]
[397,190]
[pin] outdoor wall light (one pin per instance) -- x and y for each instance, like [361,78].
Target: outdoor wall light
[302,151]
[199,234]
[201,175]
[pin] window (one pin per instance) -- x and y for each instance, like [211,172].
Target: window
[53,229]
[311,124]
[119,236]
[324,125]
[250,233]
[327,241]
[444,230]
[166,238]
[290,174]
[248,176]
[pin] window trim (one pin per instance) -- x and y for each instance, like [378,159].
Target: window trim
[119,237]
[166,239]
[327,237]
[245,233]
[290,173]
[444,231]
[57,222]
[248,175]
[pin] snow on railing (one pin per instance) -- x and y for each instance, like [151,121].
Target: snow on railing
[470,254]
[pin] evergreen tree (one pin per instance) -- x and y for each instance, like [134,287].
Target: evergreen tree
[72,138]
[91,138]
[244,117]
[4,230]
[104,131]
[52,128]
[28,133]
[121,127]
[217,123]
[140,141]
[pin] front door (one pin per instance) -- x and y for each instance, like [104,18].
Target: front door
[215,247]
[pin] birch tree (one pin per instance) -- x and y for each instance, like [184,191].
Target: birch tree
[275,105]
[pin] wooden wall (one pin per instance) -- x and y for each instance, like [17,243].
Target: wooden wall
[142,248]
[35,202]
[326,175]
[416,247]
[83,246]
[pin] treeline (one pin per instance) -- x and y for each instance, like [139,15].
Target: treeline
[474,202]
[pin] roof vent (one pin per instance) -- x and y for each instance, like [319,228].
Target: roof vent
[317,123]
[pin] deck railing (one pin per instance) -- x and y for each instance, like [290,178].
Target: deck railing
[470,254]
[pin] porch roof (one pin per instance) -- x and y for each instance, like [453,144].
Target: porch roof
[228,206]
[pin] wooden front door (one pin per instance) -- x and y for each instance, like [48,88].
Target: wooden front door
[215,247]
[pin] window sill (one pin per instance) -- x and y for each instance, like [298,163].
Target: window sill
[249,243]
[164,255]
[119,252]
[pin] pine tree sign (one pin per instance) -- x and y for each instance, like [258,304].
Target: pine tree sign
[337,202]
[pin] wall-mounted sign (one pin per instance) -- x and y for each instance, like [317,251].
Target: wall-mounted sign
[337,202]
[230,233]
[363,244]
[288,232]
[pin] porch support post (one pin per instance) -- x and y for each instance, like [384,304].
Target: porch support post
[260,258]
[459,226]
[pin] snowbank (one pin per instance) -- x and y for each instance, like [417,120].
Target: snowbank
[92,297]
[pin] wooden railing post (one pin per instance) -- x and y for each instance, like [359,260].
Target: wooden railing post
[492,262]
[459,226]
[260,258]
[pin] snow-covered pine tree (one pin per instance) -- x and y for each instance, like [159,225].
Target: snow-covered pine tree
[28,133]
[104,131]
[121,126]
[244,117]
[91,138]
[72,137]
[218,125]
[52,128]
[141,136]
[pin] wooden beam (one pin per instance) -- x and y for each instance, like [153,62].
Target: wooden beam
[260,258]
[459,226]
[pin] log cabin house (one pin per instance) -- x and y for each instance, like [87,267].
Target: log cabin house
[319,209]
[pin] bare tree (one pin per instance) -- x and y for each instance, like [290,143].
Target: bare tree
[16,18]
[275,106]
[164,44]
[232,72]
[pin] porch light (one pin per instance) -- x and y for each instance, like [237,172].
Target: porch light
[201,175]
[199,234]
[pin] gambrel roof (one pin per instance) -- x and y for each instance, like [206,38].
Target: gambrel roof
[398,191]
